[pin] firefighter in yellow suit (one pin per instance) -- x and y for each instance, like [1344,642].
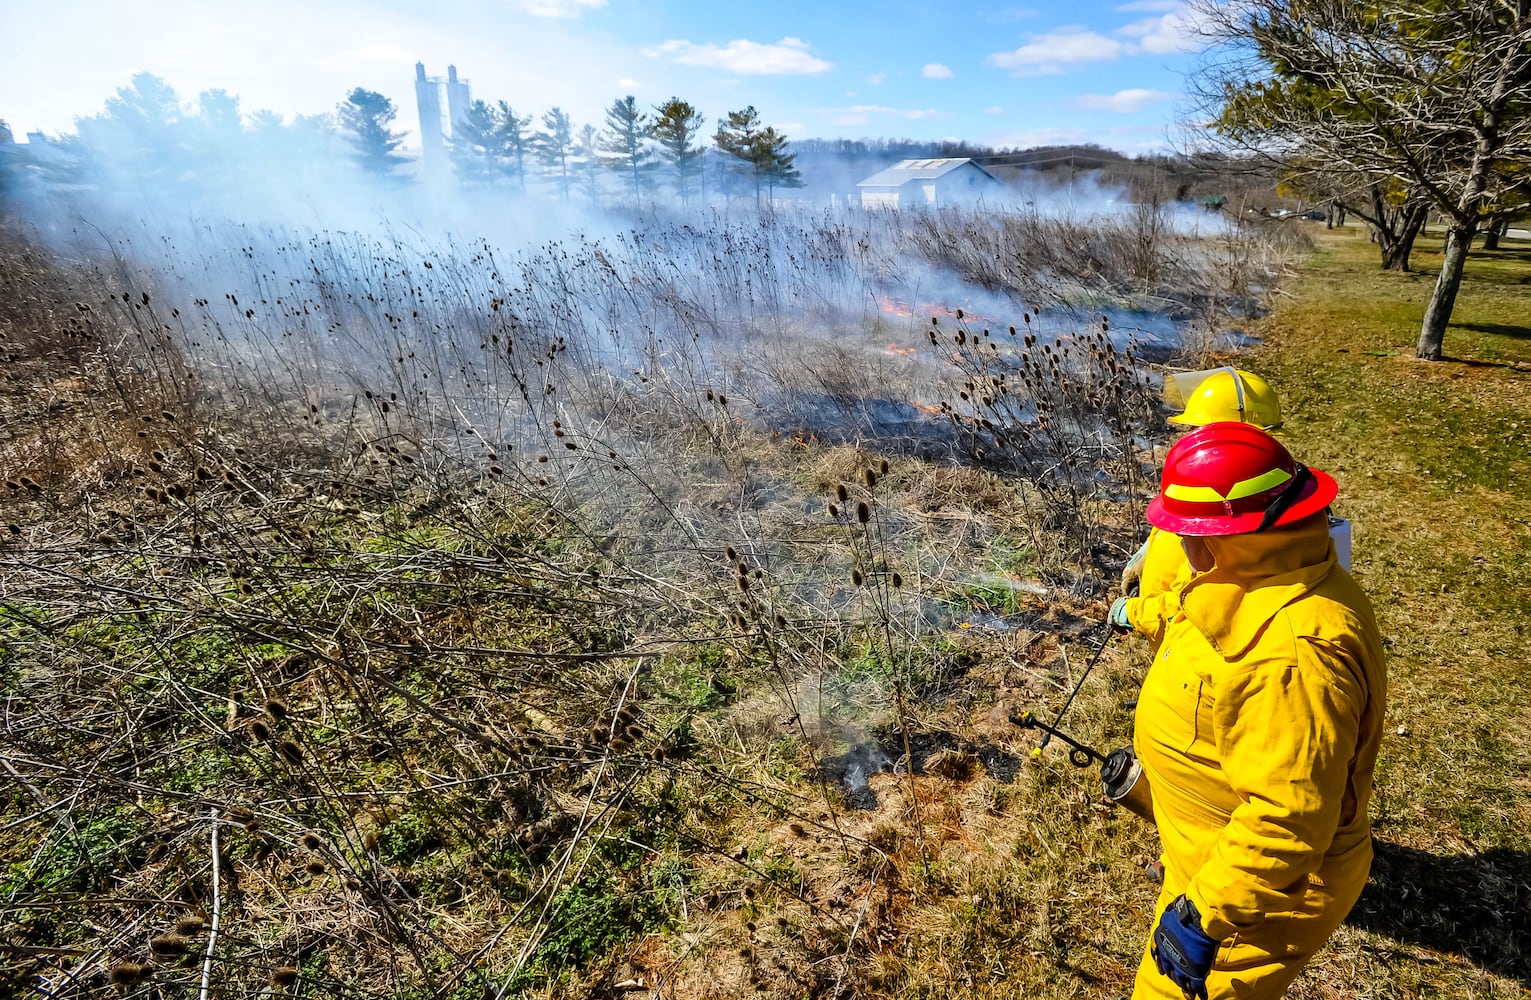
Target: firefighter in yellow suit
[1258,723]
[1221,394]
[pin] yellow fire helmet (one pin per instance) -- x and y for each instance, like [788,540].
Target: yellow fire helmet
[1218,394]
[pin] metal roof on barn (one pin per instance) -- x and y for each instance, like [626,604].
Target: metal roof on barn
[920,170]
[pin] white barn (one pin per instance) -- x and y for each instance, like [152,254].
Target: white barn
[954,180]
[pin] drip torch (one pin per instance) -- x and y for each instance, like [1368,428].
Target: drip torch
[1120,773]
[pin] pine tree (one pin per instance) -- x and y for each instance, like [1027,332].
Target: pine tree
[676,127]
[587,151]
[555,144]
[760,152]
[514,141]
[364,117]
[774,162]
[477,150]
[625,141]
[736,136]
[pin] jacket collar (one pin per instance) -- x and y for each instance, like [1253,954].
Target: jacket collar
[1255,576]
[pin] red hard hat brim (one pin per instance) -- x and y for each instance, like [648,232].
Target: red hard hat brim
[1319,494]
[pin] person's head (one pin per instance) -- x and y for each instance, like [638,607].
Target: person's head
[1224,394]
[1231,478]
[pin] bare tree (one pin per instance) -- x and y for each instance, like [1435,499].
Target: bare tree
[1429,94]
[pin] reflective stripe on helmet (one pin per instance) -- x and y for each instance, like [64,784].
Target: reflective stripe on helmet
[1249,487]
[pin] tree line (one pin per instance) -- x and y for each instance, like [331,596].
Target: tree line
[492,145]
[145,140]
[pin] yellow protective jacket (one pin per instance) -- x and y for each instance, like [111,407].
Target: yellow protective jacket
[1258,727]
[1165,571]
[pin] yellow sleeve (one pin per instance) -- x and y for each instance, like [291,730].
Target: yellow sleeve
[1165,572]
[1150,614]
[1287,734]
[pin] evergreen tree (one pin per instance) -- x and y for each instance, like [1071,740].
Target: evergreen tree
[759,152]
[364,117]
[218,111]
[555,144]
[676,127]
[216,140]
[587,150]
[136,141]
[477,150]
[514,141]
[625,141]
[774,163]
[736,136]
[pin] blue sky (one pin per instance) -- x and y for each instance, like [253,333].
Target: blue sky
[1004,74]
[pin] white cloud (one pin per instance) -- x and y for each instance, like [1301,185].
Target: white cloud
[1050,52]
[1147,6]
[788,57]
[877,79]
[994,110]
[559,8]
[860,114]
[936,71]
[1177,31]
[1123,102]
[628,84]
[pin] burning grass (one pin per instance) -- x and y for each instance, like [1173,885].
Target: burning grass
[559,623]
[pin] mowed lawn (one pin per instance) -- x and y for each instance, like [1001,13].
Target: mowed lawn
[1434,466]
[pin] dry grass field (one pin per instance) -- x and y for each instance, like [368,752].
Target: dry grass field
[478,666]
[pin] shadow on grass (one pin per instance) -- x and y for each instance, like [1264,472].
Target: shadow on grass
[1472,905]
[1498,329]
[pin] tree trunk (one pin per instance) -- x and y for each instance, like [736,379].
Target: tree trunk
[1492,234]
[1395,255]
[1432,333]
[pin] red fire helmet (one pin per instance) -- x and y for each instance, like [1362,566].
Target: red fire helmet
[1234,479]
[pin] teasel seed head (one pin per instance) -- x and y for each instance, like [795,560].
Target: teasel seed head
[834,511]
[863,512]
[897,580]
[126,974]
[168,945]
[284,975]
[276,708]
[187,926]
[315,867]
[260,730]
[291,752]
[841,493]
[856,578]
[311,841]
